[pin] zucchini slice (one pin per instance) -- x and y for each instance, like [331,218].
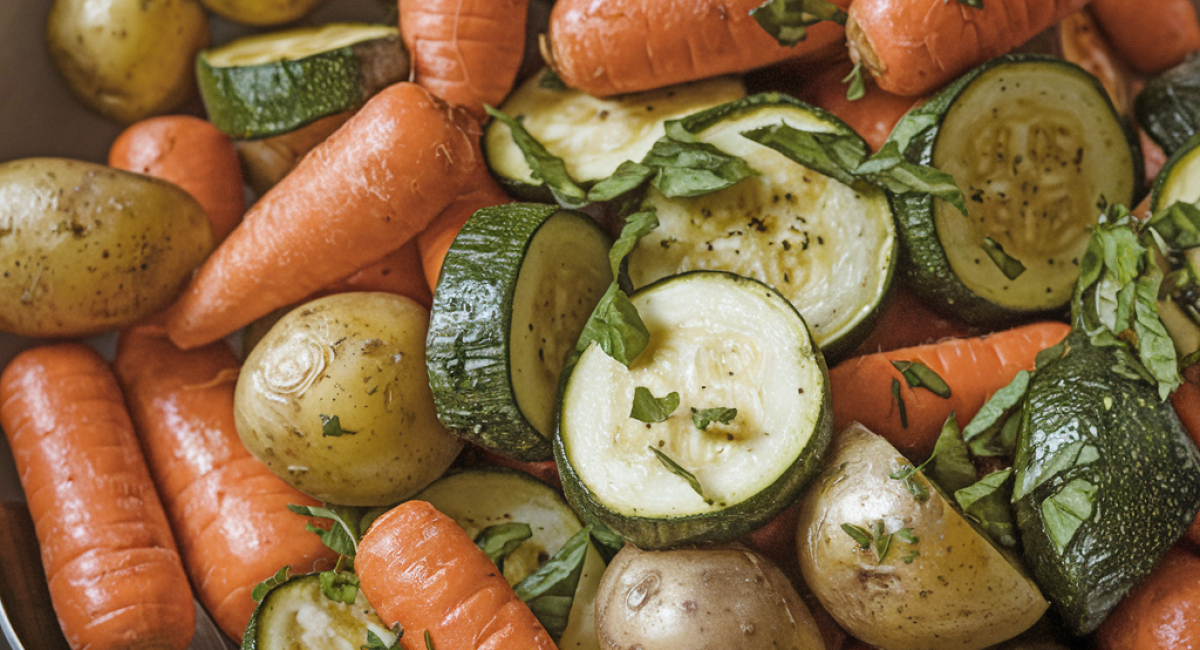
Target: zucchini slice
[593,136]
[480,498]
[516,288]
[295,614]
[1035,145]
[1179,307]
[272,83]
[717,340]
[828,247]
[1168,108]
[1179,179]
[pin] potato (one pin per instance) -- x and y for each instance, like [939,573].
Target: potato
[335,400]
[127,59]
[716,598]
[86,248]
[948,589]
[261,12]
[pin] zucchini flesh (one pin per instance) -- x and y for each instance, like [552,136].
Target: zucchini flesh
[718,340]
[1179,179]
[1036,149]
[296,615]
[828,247]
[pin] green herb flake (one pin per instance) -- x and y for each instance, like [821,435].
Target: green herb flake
[908,475]
[428,641]
[787,20]
[1066,510]
[859,534]
[260,590]
[376,643]
[339,586]
[988,502]
[900,403]
[331,425]
[628,177]
[349,524]
[648,408]
[1011,267]
[704,417]
[551,81]
[550,590]
[911,555]
[836,155]
[857,89]
[978,4]
[950,465]
[883,542]
[919,375]
[546,167]
[498,541]
[906,535]
[678,470]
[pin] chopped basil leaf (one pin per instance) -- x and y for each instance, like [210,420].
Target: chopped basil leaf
[951,466]
[428,641]
[648,408]
[551,81]
[637,225]
[349,524]
[627,177]
[688,169]
[910,556]
[833,154]
[545,166]
[982,434]
[339,586]
[918,375]
[883,542]
[1052,353]
[550,590]
[376,643]
[899,176]
[787,20]
[857,89]
[1011,267]
[988,502]
[1066,510]
[1056,462]
[616,327]
[260,590]
[678,470]
[900,402]
[607,541]
[859,534]
[498,541]
[1178,224]
[332,426]
[704,417]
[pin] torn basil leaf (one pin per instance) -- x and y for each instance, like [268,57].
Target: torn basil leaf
[545,166]
[1178,224]
[918,375]
[678,470]
[349,524]
[331,425]
[988,502]
[900,403]
[950,466]
[832,154]
[550,590]
[376,643]
[648,408]
[688,169]
[498,541]
[704,417]
[787,20]
[616,327]
[857,88]
[982,434]
[628,177]
[1066,510]
[1011,267]
[551,81]
[637,225]
[260,590]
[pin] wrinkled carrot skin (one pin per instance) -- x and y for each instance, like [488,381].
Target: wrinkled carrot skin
[1162,613]
[466,52]
[873,116]
[436,240]
[419,568]
[913,47]
[1151,35]
[974,368]
[182,406]
[623,46]
[114,574]
[364,192]
[191,153]
[400,272]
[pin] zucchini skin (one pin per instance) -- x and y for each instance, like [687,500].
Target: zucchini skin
[1167,108]
[1147,473]
[923,264]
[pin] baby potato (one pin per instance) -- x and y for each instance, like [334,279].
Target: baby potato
[261,12]
[715,598]
[127,59]
[335,400]
[85,248]
[940,583]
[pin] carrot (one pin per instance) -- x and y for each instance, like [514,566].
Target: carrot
[1153,156]
[623,46]
[906,321]
[192,154]
[873,115]
[364,192]
[1152,35]
[267,160]
[418,568]
[229,512]
[1162,613]
[400,272]
[434,242]
[913,47]
[466,52]
[974,368]
[1083,43]
[114,574]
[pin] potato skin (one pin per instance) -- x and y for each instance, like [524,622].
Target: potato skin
[361,357]
[715,598]
[957,593]
[127,59]
[86,248]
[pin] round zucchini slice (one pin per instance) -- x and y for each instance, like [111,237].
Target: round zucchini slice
[480,498]
[1168,108]
[828,247]
[295,614]
[717,341]
[593,136]
[1179,179]
[1037,149]
[516,288]
[272,83]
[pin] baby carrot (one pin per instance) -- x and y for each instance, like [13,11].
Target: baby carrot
[913,47]
[192,154]
[115,577]
[624,46]
[364,192]
[418,568]
[1151,35]
[873,115]
[229,512]
[1162,613]
[435,240]
[466,52]
[973,368]
[400,272]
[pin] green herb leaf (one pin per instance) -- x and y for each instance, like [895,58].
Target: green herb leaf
[332,426]
[836,155]
[546,166]
[1052,353]
[498,541]
[550,590]
[648,408]
[689,169]
[859,534]
[616,327]
[1156,350]
[1178,224]
[857,88]
[1066,510]
[349,524]
[982,433]
[900,403]
[988,502]
[908,475]
[787,20]
[902,177]
[627,177]
[607,541]
[678,470]
[910,556]
[376,643]
[883,542]
[260,590]
[339,586]
[906,535]
[428,641]
[1057,461]
[918,375]
[551,81]
[1011,267]
[637,225]
[950,466]
[704,417]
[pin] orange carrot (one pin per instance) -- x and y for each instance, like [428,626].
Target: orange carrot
[906,321]
[115,577]
[211,487]
[623,46]
[466,52]
[435,241]
[419,568]
[1153,156]
[913,47]
[1162,613]
[1152,35]
[400,272]
[192,154]
[361,194]
[873,115]
[974,368]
